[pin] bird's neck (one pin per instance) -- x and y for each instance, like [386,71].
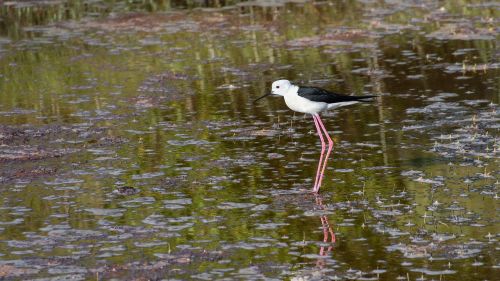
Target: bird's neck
[292,89]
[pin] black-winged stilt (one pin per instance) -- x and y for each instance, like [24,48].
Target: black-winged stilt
[313,100]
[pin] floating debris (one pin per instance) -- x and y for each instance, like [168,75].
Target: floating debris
[126,190]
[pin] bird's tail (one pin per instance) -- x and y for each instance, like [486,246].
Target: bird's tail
[363,98]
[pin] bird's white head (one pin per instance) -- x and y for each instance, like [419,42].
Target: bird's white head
[280,87]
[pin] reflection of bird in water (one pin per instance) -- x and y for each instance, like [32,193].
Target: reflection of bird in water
[313,100]
[328,234]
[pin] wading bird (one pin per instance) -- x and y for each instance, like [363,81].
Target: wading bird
[313,100]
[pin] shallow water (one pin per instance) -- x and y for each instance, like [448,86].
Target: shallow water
[130,146]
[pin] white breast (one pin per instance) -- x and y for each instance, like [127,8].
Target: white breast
[300,104]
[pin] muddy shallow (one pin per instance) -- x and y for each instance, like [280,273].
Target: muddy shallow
[130,147]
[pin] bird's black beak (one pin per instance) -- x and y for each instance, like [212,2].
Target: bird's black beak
[266,95]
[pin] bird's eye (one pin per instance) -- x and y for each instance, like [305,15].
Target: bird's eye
[277,87]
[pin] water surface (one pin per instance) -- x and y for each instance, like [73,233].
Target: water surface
[130,146]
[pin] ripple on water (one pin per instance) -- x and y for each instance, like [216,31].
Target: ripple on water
[12,222]
[234,205]
[147,175]
[177,203]
[65,269]
[263,226]
[431,272]
[106,212]
[137,202]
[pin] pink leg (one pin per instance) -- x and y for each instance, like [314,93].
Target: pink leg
[318,179]
[330,146]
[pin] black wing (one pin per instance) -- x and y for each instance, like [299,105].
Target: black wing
[322,95]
